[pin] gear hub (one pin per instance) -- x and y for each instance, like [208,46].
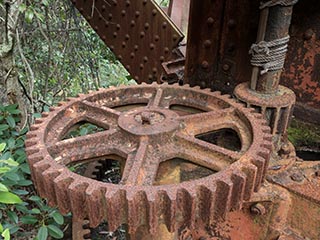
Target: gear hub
[145,127]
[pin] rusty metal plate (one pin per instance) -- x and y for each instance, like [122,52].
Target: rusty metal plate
[152,130]
[140,34]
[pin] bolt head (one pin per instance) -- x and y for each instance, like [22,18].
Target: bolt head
[258,209]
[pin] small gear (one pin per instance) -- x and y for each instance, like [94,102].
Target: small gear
[146,126]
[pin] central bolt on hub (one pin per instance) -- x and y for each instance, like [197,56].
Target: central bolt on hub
[149,118]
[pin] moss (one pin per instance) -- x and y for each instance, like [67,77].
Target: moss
[303,134]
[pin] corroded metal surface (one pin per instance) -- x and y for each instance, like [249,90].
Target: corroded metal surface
[137,31]
[149,125]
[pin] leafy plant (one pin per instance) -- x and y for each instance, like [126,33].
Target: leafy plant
[22,213]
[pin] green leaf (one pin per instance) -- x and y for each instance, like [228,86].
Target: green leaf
[4,170]
[22,7]
[29,219]
[35,198]
[45,2]
[6,234]
[3,127]
[3,188]
[58,218]
[2,146]
[25,168]
[55,232]
[9,198]
[43,233]
[13,216]
[11,122]
[1,228]
[13,176]
[35,211]
[29,14]
[10,162]
[24,183]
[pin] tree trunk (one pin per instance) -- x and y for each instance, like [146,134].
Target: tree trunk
[10,89]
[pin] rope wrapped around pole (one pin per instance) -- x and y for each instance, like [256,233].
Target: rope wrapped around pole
[269,55]
[278,2]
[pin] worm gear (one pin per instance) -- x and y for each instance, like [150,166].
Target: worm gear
[146,127]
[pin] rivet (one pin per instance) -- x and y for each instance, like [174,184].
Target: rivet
[226,67]
[231,23]
[133,23]
[154,70]
[110,16]
[205,64]
[175,37]
[164,25]
[106,24]
[308,34]
[118,26]
[112,47]
[104,37]
[146,26]
[128,67]
[124,44]
[137,14]
[154,12]
[145,2]
[152,46]
[132,55]
[127,37]
[120,57]
[166,50]
[258,209]
[104,8]
[162,59]
[145,59]
[150,77]
[157,38]
[128,3]
[136,47]
[123,13]
[210,21]
[297,177]
[81,10]
[136,78]
[142,34]
[141,66]
[203,84]
[207,44]
[96,28]
[100,17]
[115,34]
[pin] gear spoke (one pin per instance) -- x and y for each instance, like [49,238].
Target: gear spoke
[205,154]
[141,168]
[208,121]
[157,98]
[86,147]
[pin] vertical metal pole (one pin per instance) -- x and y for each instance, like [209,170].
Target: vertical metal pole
[274,24]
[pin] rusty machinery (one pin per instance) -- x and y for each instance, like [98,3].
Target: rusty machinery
[191,163]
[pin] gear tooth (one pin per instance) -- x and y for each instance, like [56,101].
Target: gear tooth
[165,84]
[187,85]
[48,177]
[34,128]
[77,198]
[37,163]
[257,115]
[60,104]
[61,184]
[32,150]
[216,93]
[94,203]
[262,166]
[222,199]
[196,87]
[201,215]
[34,158]
[30,142]
[161,211]
[183,208]
[207,89]
[101,89]
[31,134]
[117,208]
[264,152]
[52,109]
[251,174]
[81,95]
[138,212]
[39,121]
[44,114]
[239,181]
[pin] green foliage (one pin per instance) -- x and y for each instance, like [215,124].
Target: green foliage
[22,213]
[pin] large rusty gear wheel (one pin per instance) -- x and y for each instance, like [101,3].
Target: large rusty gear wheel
[148,125]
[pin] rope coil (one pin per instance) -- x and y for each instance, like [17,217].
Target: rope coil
[269,55]
[272,3]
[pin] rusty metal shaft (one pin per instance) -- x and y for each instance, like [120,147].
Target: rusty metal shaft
[274,24]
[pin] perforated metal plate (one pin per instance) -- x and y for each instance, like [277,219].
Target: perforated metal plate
[140,34]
